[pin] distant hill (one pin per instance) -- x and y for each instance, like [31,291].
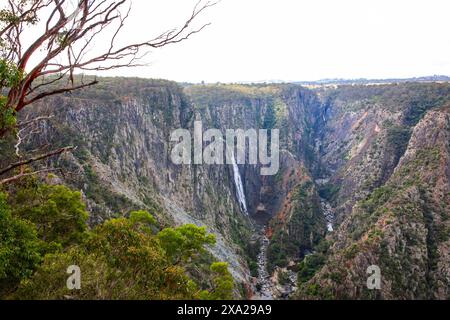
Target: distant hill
[360,81]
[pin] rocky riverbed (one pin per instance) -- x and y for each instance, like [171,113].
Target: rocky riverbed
[270,286]
[265,284]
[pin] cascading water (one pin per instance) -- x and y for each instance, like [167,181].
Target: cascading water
[239,186]
[328,212]
[327,209]
[266,285]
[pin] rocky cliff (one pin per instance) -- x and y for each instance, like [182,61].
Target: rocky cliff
[384,165]
[371,162]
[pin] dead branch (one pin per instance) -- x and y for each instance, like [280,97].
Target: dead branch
[27,123]
[24,175]
[26,129]
[34,159]
[71,28]
[49,63]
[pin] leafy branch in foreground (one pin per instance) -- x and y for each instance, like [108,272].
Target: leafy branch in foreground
[43,230]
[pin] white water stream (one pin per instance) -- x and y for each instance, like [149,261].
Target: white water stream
[239,187]
[328,213]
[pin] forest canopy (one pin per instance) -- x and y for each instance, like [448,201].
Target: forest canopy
[43,231]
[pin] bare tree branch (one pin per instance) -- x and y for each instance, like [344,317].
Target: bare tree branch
[63,47]
[34,159]
[32,121]
[23,175]
[70,30]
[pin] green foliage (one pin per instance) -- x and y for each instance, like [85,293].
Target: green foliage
[314,291]
[19,248]
[278,250]
[309,266]
[143,217]
[7,117]
[270,118]
[121,260]
[397,141]
[219,95]
[283,278]
[252,250]
[370,210]
[414,98]
[312,263]
[58,213]
[323,246]
[183,242]
[43,231]
[351,252]
[97,192]
[253,266]
[378,197]
[118,261]
[223,283]
[282,113]
[10,76]
[37,219]
[306,227]
[7,16]
[329,191]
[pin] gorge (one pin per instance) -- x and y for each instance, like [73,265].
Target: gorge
[364,178]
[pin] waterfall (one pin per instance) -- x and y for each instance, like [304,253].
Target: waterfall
[328,212]
[239,186]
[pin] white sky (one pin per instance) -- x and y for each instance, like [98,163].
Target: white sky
[253,40]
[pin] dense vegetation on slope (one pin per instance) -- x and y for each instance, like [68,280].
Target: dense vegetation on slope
[43,232]
[391,192]
[298,233]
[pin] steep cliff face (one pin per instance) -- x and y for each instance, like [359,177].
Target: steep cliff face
[122,132]
[287,203]
[387,175]
[371,160]
[363,132]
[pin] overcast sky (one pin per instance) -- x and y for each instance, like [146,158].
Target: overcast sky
[253,40]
